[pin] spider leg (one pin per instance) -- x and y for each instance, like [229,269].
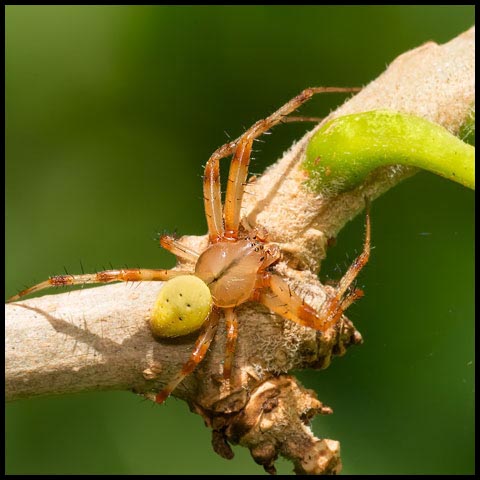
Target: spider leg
[237,177]
[279,116]
[212,197]
[178,249]
[211,179]
[107,276]
[352,296]
[281,300]
[232,333]
[287,304]
[292,119]
[201,347]
[332,305]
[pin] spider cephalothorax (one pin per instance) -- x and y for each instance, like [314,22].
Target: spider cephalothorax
[236,264]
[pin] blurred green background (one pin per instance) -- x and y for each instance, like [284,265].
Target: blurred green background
[111,113]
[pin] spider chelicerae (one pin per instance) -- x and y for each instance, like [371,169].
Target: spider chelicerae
[236,264]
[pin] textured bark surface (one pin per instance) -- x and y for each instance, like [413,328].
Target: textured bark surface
[99,338]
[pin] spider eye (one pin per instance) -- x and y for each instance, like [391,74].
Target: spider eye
[182,306]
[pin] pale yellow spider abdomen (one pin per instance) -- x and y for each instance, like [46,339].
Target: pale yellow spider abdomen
[182,306]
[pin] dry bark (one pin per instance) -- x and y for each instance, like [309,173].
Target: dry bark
[99,338]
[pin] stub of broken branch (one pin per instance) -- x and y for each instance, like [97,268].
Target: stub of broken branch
[276,421]
[100,339]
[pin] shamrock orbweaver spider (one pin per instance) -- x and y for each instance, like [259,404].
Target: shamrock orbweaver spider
[233,269]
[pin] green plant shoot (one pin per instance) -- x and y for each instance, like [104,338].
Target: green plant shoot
[345,150]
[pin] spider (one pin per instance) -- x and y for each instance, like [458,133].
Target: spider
[236,264]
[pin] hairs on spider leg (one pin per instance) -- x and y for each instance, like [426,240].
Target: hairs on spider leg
[156,237]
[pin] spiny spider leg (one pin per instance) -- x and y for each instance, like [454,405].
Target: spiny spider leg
[352,296]
[212,197]
[333,304]
[237,177]
[291,306]
[292,119]
[288,304]
[284,302]
[201,347]
[211,179]
[178,249]
[107,276]
[232,332]
[278,306]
